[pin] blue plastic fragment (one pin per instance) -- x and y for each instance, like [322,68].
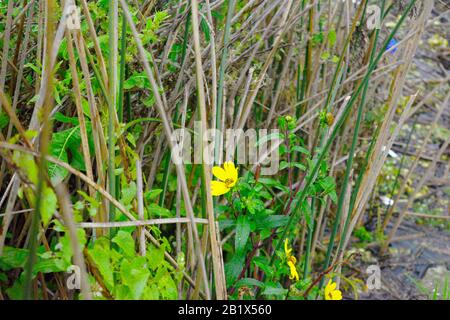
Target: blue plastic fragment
[391,44]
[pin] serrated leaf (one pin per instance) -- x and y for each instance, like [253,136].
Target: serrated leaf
[234,267]
[242,232]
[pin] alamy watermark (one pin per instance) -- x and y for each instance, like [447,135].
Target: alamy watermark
[72,14]
[373,281]
[244,147]
[73,281]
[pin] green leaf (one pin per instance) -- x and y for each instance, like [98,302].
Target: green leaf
[328,185]
[264,265]
[125,242]
[270,222]
[155,257]
[13,258]
[234,267]
[61,143]
[48,205]
[274,289]
[64,119]
[134,275]
[301,150]
[151,293]
[26,162]
[168,288]
[242,232]
[4,120]
[325,55]
[49,266]
[331,38]
[273,183]
[101,256]
[66,248]
[249,282]
[268,137]
[137,80]
[155,209]
[152,194]
[129,193]
[306,209]
[205,29]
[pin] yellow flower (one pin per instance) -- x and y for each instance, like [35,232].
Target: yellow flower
[228,176]
[287,250]
[331,293]
[291,261]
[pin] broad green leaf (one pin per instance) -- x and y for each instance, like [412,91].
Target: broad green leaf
[151,293]
[263,264]
[248,282]
[155,257]
[234,267]
[156,210]
[26,162]
[129,193]
[125,242]
[13,258]
[274,289]
[48,205]
[50,266]
[242,232]
[270,222]
[152,194]
[167,286]
[134,275]
[100,254]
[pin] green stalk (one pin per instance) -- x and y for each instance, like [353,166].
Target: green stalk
[310,231]
[123,49]
[223,66]
[44,144]
[112,82]
[311,177]
[349,167]
[306,72]
[167,155]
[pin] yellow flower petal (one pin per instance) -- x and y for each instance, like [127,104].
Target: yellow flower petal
[294,273]
[331,285]
[231,172]
[287,251]
[218,188]
[219,173]
[330,291]
[336,295]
